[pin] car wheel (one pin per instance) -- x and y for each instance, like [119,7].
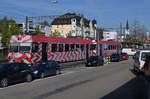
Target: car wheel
[4,82]
[42,75]
[28,78]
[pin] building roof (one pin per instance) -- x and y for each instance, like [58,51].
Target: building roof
[127,25]
[66,19]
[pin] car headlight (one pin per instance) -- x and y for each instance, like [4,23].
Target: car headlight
[35,72]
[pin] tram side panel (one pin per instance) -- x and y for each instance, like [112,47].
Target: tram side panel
[66,52]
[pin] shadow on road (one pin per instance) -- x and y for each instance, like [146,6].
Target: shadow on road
[133,89]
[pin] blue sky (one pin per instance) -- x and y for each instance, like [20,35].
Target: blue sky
[108,13]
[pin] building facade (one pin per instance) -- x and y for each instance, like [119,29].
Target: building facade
[31,28]
[75,24]
[110,35]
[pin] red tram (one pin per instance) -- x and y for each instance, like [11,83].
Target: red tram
[31,49]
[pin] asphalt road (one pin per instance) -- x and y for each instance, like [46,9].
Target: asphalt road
[113,81]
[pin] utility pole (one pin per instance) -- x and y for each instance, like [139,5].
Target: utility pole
[98,37]
[120,32]
[26,24]
[121,39]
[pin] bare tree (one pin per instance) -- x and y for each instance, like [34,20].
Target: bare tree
[138,32]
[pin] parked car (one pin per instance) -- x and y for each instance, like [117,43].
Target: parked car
[146,67]
[139,60]
[95,61]
[115,57]
[129,51]
[124,56]
[14,72]
[43,69]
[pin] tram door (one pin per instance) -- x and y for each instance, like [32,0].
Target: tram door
[44,51]
[87,51]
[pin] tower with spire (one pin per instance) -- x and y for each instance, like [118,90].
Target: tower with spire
[127,29]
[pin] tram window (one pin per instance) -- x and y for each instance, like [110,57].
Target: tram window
[34,47]
[92,47]
[105,48]
[60,47]
[13,48]
[54,47]
[66,47]
[108,47]
[114,46]
[72,47]
[77,47]
[82,47]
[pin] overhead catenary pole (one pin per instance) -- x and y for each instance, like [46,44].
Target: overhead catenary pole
[26,24]
[120,32]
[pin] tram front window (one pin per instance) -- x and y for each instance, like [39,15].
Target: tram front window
[24,48]
[13,48]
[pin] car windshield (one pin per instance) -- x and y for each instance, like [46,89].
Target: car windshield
[145,55]
[24,48]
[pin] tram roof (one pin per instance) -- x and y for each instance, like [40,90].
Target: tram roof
[33,38]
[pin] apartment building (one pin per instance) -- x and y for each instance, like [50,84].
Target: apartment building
[110,35]
[31,28]
[75,24]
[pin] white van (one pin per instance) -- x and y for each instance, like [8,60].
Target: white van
[129,51]
[139,59]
